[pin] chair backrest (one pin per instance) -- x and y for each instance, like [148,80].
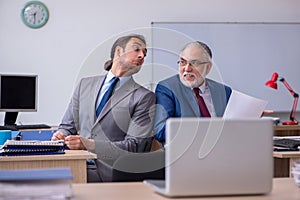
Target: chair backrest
[156,145]
[140,166]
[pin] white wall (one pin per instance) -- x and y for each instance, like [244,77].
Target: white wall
[77,38]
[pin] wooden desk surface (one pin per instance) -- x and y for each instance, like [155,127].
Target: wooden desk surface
[287,130]
[283,189]
[286,127]
[286,154]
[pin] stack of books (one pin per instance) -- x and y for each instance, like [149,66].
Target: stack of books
[31,147]
[49,183]
[296,173]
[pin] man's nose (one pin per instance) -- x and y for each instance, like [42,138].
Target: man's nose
[141,55]
[188,67]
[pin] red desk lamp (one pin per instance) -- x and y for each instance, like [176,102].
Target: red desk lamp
[272,84]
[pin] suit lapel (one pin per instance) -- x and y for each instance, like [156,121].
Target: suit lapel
[118,96]
[218,96]
[97,88]
[188,96]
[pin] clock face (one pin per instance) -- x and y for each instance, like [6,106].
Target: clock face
[35,14]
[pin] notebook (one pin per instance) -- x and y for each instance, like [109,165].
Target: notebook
[31,147]
[216,156]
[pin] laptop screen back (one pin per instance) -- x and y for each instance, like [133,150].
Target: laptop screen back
[216,156]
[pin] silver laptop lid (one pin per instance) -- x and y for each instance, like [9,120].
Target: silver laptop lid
[215,156]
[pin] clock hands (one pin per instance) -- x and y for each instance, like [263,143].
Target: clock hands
[34,17]
[32,14]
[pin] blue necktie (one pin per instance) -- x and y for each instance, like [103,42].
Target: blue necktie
[107,95]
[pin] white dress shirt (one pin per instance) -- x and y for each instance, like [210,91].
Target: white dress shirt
[205,93]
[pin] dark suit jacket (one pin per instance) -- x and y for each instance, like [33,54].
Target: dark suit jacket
[124,125]
[176,100]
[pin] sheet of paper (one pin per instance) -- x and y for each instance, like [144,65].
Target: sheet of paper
[244,106]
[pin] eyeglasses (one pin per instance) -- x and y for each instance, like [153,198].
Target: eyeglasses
[194,63]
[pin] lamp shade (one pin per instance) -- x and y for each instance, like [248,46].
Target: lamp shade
[272,83]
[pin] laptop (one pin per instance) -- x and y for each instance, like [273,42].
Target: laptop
[216,156]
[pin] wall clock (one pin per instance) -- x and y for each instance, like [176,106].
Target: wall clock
[35,14]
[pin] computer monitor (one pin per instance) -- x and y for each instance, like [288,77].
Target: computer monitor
[18,93]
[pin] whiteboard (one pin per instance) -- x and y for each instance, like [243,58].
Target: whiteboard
[245,55]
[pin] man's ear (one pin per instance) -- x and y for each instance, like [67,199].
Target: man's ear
[118,51]
[209,66]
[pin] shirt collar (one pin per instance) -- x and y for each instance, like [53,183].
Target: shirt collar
[122,79]
[202,88]
[109,76]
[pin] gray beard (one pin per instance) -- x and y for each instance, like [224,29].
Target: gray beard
[196,83]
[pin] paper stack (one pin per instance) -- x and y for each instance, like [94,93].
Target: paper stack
[49,183]
[296,173]
[31,147]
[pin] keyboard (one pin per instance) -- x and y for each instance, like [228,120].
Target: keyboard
[8,127]
[33,126]
[24,126]
[287,143]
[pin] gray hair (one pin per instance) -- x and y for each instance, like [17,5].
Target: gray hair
[201,45]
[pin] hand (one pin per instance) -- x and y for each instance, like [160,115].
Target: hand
[266,112]
[74,142]
[58,136]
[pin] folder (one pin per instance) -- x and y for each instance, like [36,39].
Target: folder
[46,183]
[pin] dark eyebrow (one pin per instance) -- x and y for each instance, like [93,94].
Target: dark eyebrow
[139,44]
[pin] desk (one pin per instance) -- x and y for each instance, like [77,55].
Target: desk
[282,164]
[73,159]
[288,158]
[287,130]
[283,189]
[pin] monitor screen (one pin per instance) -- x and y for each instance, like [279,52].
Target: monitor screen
[18,93]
